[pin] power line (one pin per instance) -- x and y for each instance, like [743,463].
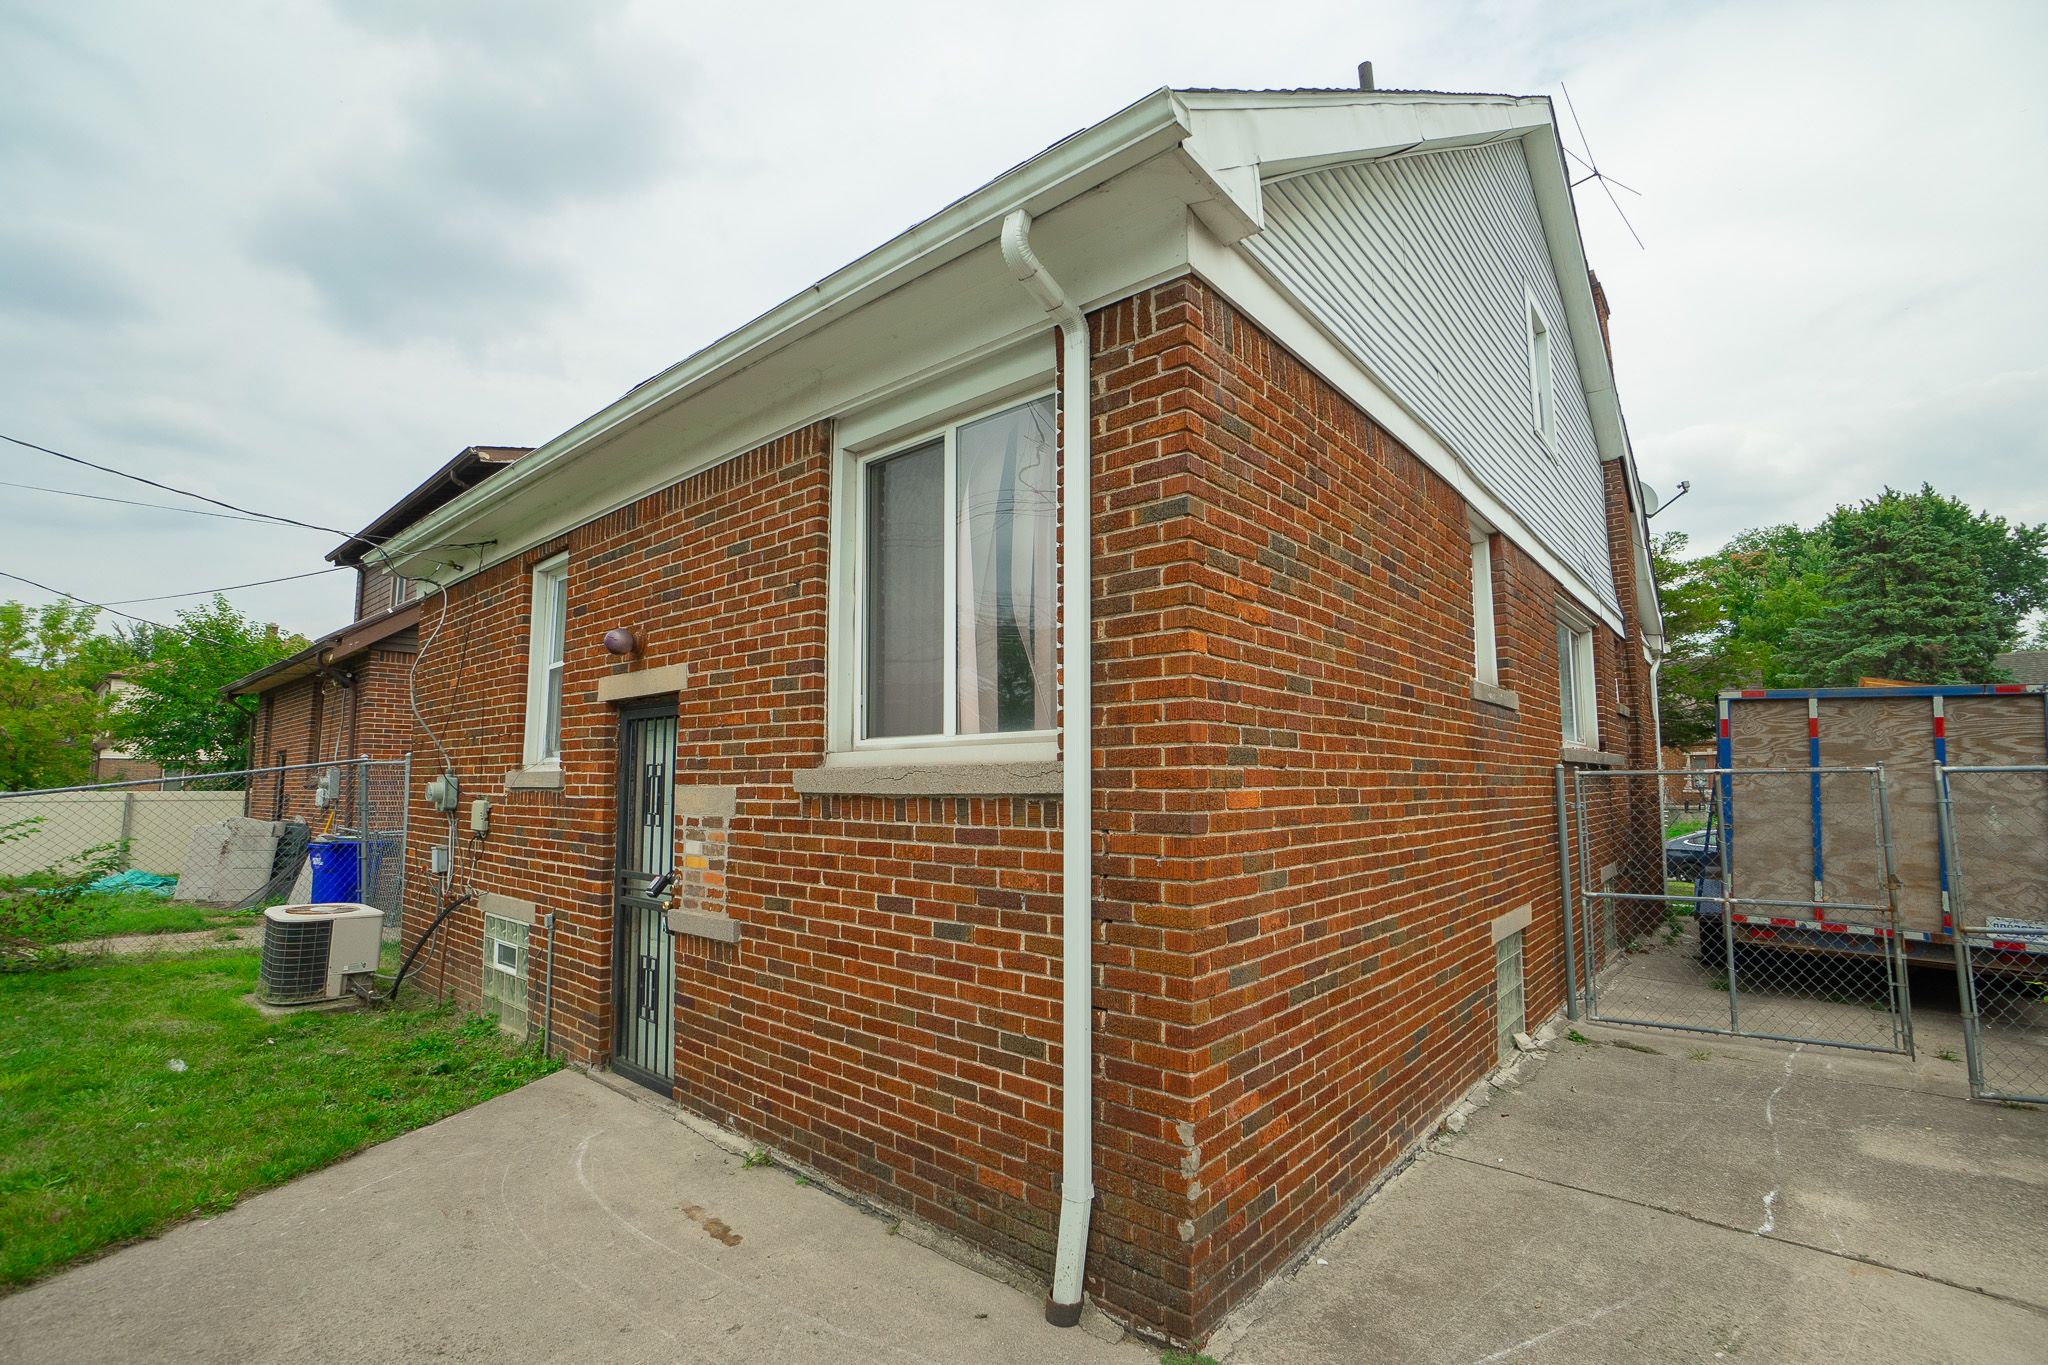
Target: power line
[115,605]
[180,492]
[232,587]
[101,606]
[131,502]
[244,512]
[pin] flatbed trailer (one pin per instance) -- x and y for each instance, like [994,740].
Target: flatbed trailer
[1806,849]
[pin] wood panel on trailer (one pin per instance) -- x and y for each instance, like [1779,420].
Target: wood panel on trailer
[1898,732]
[1770,848]
[2001,819]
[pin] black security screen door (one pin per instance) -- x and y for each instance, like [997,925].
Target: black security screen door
[644,1046]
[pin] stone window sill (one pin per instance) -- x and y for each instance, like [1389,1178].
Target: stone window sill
[1000,778]
[1590,758]
[1496,696]
[535,779]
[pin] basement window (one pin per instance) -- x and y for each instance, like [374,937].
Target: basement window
[954,602]
[1510,1010]
[545,641]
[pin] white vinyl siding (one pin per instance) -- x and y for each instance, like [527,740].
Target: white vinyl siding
[1429,270]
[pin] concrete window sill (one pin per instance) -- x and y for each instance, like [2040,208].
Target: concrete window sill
[1590,758]
[1005,778]
[1496,696]
[534,780]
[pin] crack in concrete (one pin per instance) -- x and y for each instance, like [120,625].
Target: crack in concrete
[2038,1309]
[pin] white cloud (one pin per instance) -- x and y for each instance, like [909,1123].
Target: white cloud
[297,256]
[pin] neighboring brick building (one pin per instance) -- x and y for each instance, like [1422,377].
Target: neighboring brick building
[345,694]
[1367,562]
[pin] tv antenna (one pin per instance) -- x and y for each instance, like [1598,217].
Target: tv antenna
[1608,184]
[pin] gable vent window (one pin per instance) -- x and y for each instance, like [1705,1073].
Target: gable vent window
[956,602]
[1542,379]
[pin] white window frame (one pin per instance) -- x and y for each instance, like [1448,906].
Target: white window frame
[891,425]
[550,576]
[947,433]
[1542,373]
[500,949]
[1580,727]
[1485,645]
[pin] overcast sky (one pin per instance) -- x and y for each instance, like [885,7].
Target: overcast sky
[297,255]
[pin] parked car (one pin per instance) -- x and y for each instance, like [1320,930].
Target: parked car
[1691,857]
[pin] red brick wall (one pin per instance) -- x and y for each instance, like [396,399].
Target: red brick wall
[1309,820]
[316,720]
[890,1014]
[1304,827]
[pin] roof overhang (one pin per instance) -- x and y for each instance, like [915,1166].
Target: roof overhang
[1219,148]
[471,466]
[336,647]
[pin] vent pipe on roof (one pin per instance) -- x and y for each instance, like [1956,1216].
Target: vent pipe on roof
[1365,76]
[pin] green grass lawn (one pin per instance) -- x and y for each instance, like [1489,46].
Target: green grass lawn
[102,1141]
[109,914]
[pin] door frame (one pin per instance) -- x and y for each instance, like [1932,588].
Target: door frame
[627,910]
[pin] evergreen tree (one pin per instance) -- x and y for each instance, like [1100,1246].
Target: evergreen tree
[1923,590]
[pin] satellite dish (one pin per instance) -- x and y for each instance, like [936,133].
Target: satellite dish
[1651,502]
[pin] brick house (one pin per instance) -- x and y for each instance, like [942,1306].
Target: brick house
[1132,923]
[344,695]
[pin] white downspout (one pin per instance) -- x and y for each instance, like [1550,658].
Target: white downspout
[1077,752]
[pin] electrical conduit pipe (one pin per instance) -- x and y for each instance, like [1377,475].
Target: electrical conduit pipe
[1077,750]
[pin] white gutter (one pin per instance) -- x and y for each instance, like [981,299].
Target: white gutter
[1077,755]
[1070,167]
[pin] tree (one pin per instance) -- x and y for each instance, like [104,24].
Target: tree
[176,715]
[51,709]
[1923,589]
[1694,668]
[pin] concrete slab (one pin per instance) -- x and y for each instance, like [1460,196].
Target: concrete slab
[1650,1195]
[1808,1145]
[1461,1262]
[562,1222]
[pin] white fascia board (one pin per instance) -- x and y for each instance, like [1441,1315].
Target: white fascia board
[1551,179]
[1245,139]
[1069,168]
[1294,325]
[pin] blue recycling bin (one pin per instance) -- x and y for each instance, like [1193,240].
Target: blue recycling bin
[337,870]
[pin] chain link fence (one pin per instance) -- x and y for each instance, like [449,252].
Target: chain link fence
[186,853]
[1768,915]
[1995,837]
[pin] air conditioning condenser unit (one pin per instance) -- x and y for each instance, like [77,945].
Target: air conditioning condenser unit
[310,951]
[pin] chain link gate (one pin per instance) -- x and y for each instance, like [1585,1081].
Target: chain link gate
[1774,920]
[1994,831]
[109,858]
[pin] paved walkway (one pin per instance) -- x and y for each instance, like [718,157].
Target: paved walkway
[172,943]
[1651,1196]
[1637,1197]
[565,1221]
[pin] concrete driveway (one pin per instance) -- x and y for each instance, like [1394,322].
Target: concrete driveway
[1638,1197]
[1649,1196]
[566,1221]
